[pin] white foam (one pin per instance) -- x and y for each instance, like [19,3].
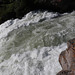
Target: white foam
[31,17]
[41,61]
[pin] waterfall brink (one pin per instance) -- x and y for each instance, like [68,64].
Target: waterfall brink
[31,45]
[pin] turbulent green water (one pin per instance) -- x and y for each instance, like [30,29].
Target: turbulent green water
[31,46]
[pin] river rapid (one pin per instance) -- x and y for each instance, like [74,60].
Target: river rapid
[31,45]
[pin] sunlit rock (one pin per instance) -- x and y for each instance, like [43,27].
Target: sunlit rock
[66,72]
[67,59]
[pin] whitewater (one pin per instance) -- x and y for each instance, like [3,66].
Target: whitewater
[31,45]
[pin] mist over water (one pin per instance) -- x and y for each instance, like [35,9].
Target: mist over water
[31,45]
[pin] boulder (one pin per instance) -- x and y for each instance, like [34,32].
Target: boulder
[66,72]
[67,59]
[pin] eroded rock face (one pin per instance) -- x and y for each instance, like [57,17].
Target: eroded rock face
[66,72]
[67,59]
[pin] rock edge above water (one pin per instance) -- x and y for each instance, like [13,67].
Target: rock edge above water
[67,59]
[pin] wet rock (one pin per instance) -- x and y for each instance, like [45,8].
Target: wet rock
[66,72]
[67,59]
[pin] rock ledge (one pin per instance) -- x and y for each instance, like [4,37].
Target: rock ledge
[67,59]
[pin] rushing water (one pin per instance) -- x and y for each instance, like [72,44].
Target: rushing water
[31,45]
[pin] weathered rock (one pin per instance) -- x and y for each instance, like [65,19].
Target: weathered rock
[67,59]
[66,72]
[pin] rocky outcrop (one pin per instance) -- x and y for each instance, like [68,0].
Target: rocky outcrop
[66,72]
[20,7]
[67,59]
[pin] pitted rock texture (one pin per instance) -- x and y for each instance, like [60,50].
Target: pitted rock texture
[67,59]
[66,72]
